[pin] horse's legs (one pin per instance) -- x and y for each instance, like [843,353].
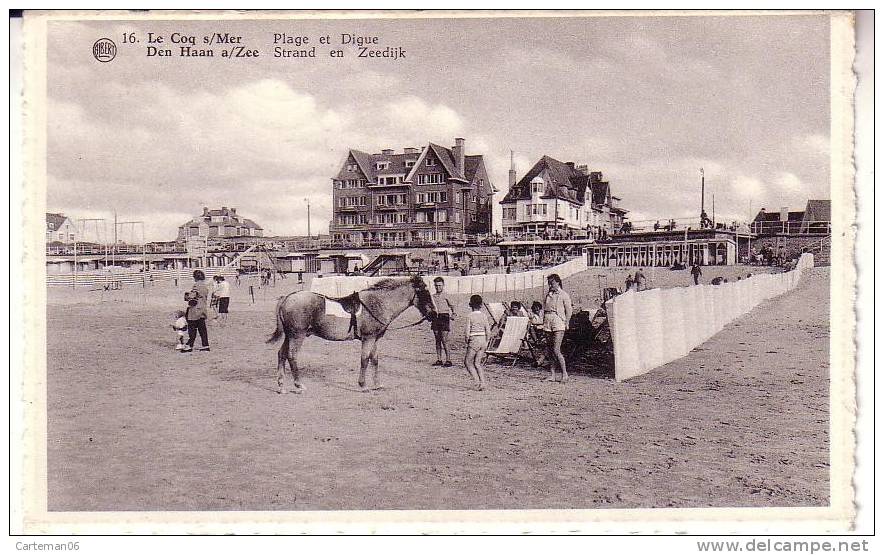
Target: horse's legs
[297,341]
[282,355]
[368,344]
[374,362]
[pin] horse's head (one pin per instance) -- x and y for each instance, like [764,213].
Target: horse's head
[422,300]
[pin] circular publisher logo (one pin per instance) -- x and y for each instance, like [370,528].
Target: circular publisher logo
[104,50]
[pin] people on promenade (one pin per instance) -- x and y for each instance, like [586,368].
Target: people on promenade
[556,316]
[477,331]
[197,298]
[441,325]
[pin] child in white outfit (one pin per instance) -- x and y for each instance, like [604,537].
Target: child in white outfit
[180,327]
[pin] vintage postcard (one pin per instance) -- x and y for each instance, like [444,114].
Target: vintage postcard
[437,271]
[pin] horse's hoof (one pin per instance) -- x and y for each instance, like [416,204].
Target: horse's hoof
[299,389]
[280,390]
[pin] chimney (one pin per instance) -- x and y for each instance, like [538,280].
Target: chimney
[223,209]
[387,151]
[512,175]
[205,210]
[233,211]
[458,151]
[784,214]
[570,164]
[411,150]
[583,169]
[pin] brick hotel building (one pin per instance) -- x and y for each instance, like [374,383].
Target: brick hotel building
[431,194]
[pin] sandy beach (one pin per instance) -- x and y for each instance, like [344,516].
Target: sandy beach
[133,425]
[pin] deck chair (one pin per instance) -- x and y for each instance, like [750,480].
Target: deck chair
[496,311]
[583,330]
[513,342]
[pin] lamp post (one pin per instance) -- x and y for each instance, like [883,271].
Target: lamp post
[702,195]
[309,235]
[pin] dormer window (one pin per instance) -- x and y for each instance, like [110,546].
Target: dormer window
[382,165]
[537,185]
[410,163]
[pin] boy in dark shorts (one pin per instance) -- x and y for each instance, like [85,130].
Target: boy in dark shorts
[442,324]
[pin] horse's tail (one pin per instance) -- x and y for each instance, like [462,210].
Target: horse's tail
[280,325]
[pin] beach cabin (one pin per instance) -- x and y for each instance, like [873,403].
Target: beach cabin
[444,257]
[356,261]
[332,264]
[306,262]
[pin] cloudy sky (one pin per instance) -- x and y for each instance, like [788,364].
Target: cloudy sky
[646,101]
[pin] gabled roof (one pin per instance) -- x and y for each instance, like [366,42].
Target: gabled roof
[564,182]
[367,164]
[447,158]
[471,166]
[818,211]
[363,160]
[57,220]
[601,190]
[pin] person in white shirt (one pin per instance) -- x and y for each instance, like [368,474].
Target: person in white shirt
[476,334]
[557,311]
[180,327]
[222,293]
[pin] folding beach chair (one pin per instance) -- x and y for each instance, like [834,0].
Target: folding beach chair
[513,342]
[496,311]
[583,330]
[498,314]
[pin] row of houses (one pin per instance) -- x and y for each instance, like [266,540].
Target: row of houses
[223,223]
[432,194]
[442,194]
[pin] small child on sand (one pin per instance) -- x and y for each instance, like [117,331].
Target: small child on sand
[478,330]
[180,327]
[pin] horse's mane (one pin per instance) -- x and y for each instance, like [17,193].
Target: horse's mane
[389,284]
[386,284]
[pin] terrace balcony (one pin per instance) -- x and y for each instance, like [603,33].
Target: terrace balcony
[391,207]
